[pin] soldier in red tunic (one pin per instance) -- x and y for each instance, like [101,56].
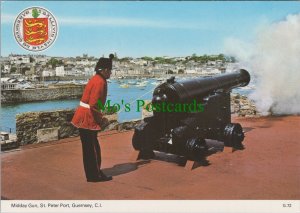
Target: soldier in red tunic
[89,120]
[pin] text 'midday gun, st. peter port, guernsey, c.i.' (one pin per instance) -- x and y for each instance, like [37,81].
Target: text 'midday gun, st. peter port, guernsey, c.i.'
[206,115]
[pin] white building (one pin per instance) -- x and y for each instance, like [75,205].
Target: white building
[73,72]
[42,59]
[210,72]
[6,69]
[191,71]
[140,62]
[8,86]
[85,62]
[47,73]
[88,71]
[19,59]
[60,71]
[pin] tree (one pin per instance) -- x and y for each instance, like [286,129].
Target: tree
[180,71]
[13,69]
[126,59]
[147,58]
[54,62]
[31,59]
[230,59]
[204,59]
[221,57]
[24,69]
[233,59]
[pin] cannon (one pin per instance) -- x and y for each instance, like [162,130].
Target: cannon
[207,115]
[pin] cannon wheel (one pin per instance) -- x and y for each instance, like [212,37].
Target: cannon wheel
[140,141]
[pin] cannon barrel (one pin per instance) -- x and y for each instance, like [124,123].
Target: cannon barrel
[187,90]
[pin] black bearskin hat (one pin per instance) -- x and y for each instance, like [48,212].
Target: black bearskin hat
[104,63]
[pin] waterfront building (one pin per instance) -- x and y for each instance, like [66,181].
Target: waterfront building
[88,71]
[6,84]
[60,71]
[19,59]
[74,72]
[15,75]
[14,84]
[6,69]
[85,62]
[41,59]
[4,59]
[210,71]
[47,73]
[157,72]
[191,71]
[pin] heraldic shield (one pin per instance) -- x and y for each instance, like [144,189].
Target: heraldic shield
[35,30]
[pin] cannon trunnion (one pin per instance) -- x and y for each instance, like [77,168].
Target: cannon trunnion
[185,113]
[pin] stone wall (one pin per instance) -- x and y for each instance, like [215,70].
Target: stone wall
[242,106]
[29,124]
[41,94]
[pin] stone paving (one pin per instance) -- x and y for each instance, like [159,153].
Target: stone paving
[267,169]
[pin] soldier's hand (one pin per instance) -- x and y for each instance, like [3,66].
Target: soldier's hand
[104,122]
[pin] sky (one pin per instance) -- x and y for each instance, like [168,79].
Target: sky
[146,28]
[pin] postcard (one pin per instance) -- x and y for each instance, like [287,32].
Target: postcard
[150,106]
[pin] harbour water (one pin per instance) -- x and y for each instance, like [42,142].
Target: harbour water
[128,92]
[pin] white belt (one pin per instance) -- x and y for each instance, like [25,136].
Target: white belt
[84,105]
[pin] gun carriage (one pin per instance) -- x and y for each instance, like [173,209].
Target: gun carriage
[184,133]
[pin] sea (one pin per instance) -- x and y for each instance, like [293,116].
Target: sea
[119,92]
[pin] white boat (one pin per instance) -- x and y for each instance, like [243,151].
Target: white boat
[124,86]
[132,82]
[155,83]
[141,84]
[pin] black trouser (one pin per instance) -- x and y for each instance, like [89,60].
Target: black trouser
[91,153]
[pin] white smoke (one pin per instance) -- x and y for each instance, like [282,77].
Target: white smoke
[274,60]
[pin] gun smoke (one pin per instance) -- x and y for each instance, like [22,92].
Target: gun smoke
[274,62]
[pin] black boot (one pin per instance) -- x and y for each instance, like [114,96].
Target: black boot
[101,178]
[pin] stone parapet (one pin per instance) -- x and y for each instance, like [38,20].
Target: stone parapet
[36,127]
[243,106]
[30,123]
[240,105]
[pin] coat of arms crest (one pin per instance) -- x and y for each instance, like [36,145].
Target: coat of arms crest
[35,29]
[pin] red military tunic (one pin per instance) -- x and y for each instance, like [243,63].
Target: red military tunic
[90,118]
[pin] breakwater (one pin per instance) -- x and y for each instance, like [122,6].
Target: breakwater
[41,94]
